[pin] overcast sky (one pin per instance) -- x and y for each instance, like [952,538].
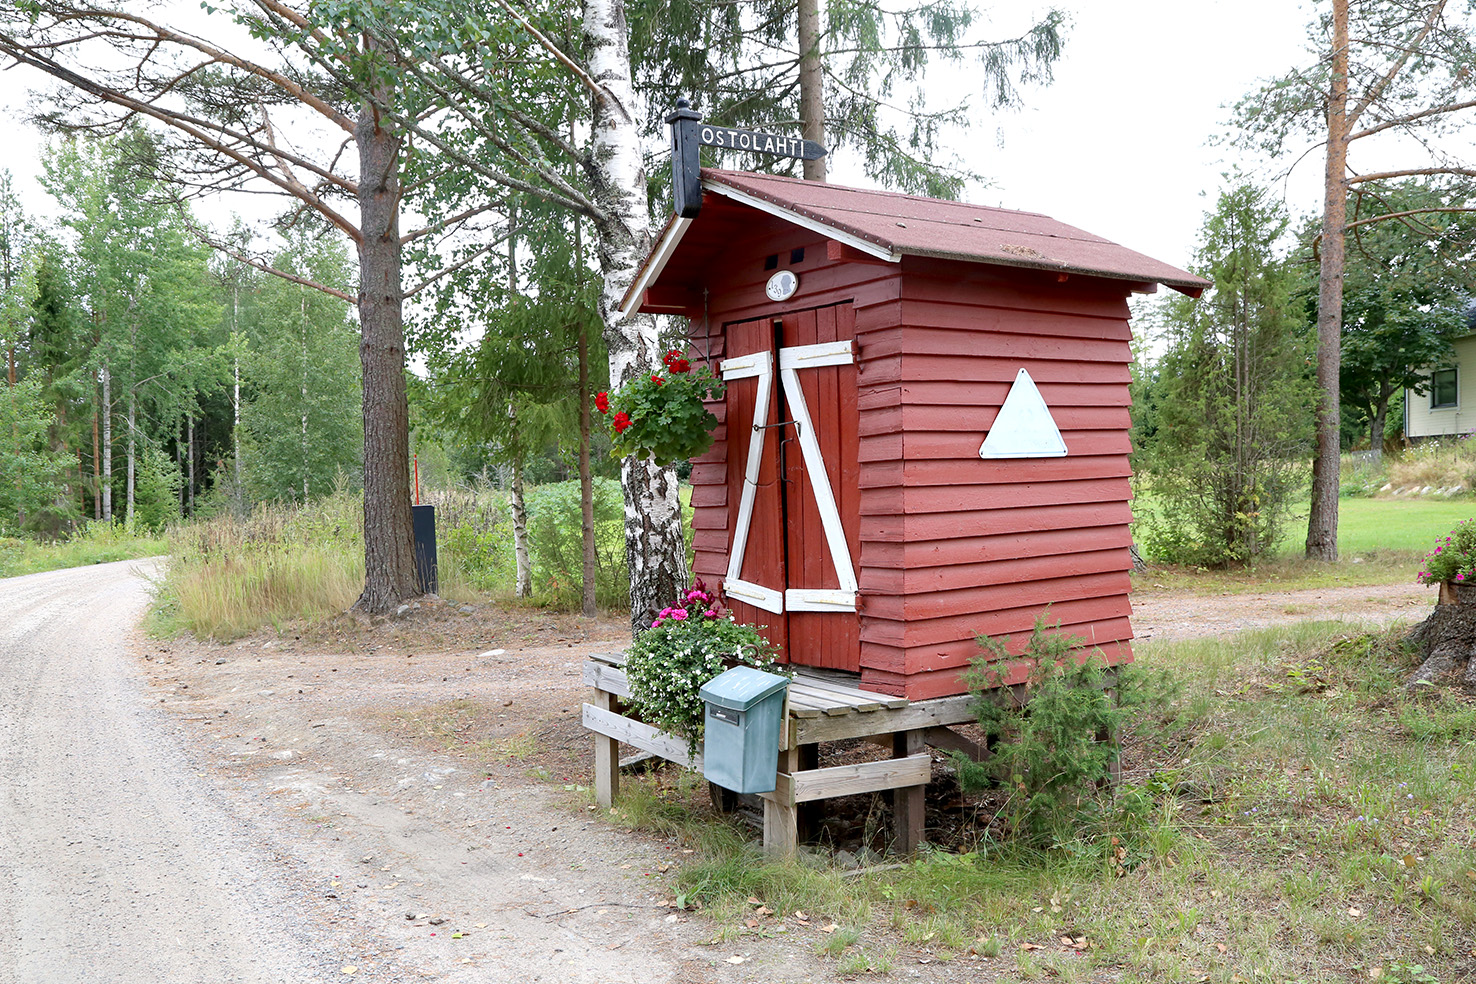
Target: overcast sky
[1118,145]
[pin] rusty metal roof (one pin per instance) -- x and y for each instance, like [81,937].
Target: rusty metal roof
[915,226]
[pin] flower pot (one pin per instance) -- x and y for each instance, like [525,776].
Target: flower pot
[1457,593]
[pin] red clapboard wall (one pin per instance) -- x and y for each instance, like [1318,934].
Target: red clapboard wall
[911,323]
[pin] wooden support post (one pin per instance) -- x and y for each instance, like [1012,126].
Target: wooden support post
[606,755]
[781,816]
[809,758]
[1111,736]
[908,802]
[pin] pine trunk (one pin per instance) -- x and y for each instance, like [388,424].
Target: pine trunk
[1322,523]
[389,555]
[653,517]
[812,85]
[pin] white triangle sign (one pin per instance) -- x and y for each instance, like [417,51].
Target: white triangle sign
[1024,427]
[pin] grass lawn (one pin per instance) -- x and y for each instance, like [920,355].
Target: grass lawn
[1293,816]
[1380,541]
[98,544]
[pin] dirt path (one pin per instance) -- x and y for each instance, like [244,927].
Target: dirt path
[401,799]
[1171,616]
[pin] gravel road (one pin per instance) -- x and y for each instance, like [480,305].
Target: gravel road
[117,862]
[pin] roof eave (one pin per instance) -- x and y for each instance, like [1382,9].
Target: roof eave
[666,244]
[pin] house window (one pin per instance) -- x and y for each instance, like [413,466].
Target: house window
[1442,389]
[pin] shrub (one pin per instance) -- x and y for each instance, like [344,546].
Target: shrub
[1047,757]
[555,524]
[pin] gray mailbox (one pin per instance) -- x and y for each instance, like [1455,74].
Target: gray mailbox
[740,745]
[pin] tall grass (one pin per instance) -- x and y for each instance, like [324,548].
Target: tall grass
[230,576]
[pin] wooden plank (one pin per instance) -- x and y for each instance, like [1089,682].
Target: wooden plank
[642,736]
[606,757]
[925,714]
[836,703]
[908,806]
[835,686]
[781,819]
[609,659]
[969,469]
[968,498]
[861,777]
[609,679]
[951,741]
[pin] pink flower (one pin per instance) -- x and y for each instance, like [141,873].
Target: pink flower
[657,622]
[1460,577]
[710,613]
[678,614]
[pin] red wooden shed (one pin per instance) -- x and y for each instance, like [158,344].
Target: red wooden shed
[925,431]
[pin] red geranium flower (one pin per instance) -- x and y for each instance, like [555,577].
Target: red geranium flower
[657,379]
[675,362]
[622,421]
[602,402]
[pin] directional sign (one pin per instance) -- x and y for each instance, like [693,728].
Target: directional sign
[759,143]
[688,133]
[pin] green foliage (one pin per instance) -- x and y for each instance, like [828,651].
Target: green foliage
[156,490]
[661,415]
[555,527]
[1454,557]
[686,646]
[301,424]
[1233,398]
[1051,757]
[726,58]
[32,472]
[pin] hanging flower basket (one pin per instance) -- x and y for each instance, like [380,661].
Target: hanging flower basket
[662,416]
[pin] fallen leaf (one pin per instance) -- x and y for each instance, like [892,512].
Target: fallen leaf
[764,910]
[350,969]
[1221,947]
[481,925]
[800,915]
[1354,911]
[753,901]
[828,928]
[1029,946]
[751,923]
[736,959]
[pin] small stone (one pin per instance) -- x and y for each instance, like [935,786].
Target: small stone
[436,920]
[220,662]
[467,610]
[845,859]
[402,609]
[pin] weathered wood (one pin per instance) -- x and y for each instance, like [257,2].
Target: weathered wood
[610,679]
[943,711]
[781,819]
[851,692]
[857,777]
[951,741]
[633,732]
[908,805]
[606,754]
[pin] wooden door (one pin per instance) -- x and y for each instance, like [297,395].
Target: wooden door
[795,548]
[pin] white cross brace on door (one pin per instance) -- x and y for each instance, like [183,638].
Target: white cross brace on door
[761,365]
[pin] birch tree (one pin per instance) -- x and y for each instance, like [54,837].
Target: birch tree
[1391,80]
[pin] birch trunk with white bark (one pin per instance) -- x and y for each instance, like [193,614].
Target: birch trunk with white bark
[107,444]
[653,515]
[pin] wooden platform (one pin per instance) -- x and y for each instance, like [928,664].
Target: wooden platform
[820,706]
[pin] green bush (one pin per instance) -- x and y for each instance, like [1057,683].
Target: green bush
[1048,758]
[556,545]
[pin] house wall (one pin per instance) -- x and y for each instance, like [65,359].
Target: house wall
[968,546]
[951,545]
[1421,421]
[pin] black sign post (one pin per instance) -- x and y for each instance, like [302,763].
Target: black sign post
[688,133]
